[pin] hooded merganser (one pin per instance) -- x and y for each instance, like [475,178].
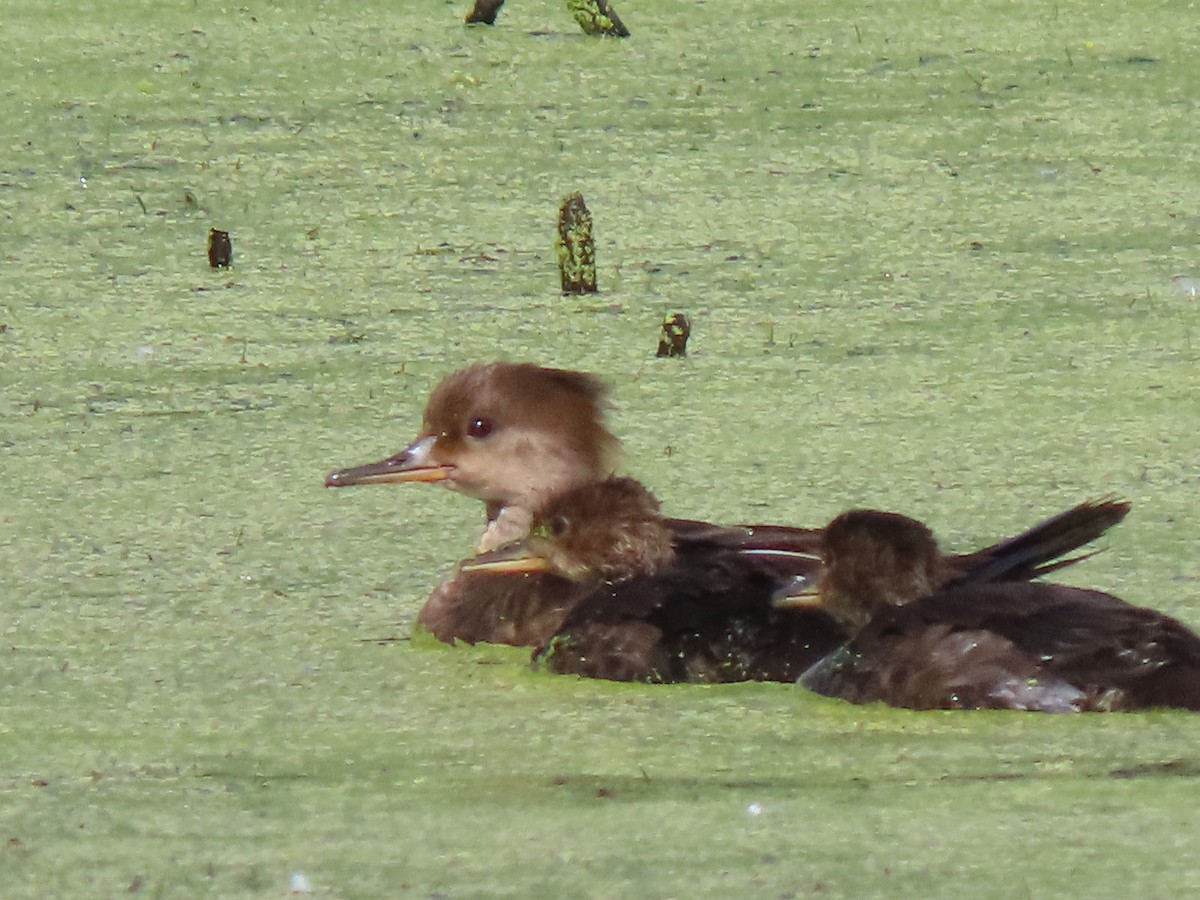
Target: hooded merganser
[922,641]
[653,608]
[509,434]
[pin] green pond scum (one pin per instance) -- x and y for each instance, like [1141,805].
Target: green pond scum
[927,252]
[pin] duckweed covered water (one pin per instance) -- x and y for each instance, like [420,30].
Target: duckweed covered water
[927,255]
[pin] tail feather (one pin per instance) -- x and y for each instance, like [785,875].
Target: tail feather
[1040,550]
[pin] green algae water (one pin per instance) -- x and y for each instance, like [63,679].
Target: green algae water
[936,259]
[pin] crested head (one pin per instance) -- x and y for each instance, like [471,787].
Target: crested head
[517,433]
[606,531]
[872,560]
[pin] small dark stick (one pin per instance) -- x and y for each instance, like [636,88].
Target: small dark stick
[597,17]
[484,12]
[575,247]
[676,329]
[220,249]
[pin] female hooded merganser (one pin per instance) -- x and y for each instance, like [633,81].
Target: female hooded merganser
[510,434]
[657,609]
[924,642]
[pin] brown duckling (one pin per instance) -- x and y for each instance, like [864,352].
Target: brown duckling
[923,642]
[654,608]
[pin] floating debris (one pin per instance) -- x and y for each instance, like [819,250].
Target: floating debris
[220,249]
[676,329]
[575,246]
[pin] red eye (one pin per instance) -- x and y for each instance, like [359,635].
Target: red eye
[479,428]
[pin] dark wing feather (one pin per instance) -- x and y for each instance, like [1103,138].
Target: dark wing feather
[707,617]
[1025,646]
[782,550]
[1039,550]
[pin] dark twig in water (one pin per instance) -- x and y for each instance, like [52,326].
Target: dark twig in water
[484,12]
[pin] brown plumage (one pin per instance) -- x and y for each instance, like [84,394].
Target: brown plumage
[484,607]
[660,608]
[515,435]
[514,599]
[924,643]
[872,559]
[509,434]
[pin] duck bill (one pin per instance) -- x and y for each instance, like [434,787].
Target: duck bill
[514,558]
[413,463]
[800,592]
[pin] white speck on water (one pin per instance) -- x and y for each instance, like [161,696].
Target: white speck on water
[299,884]
[1186,285]
[754,809]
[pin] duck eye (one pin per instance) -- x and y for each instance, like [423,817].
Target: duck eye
[558,526]
[480,428]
